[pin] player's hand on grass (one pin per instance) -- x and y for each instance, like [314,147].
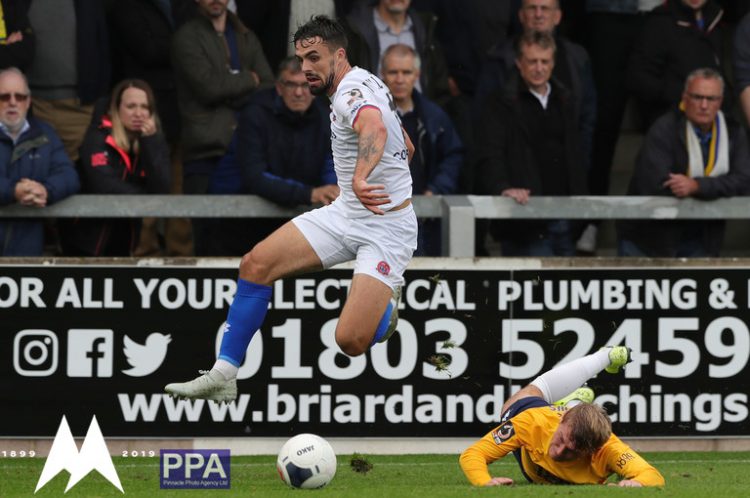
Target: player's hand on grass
[629,483]
[626,483]
[500,481]
[371,196]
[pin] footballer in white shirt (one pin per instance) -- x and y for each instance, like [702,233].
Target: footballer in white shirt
[371,222]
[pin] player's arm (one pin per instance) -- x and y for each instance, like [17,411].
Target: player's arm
[372,135]
[475,459]
[632,467]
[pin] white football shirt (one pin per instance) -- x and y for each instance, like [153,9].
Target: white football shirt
[357,90]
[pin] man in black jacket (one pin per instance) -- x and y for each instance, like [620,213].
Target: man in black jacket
[373,28]
[529,145]
[688,152]
[572,68]
[677,37]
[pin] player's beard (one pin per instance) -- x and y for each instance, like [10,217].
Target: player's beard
[323,89]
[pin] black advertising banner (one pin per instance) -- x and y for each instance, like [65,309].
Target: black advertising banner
[104,340]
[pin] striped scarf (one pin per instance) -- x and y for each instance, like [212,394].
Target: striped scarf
[717,162]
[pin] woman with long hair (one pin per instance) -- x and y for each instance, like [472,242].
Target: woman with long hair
[124,152]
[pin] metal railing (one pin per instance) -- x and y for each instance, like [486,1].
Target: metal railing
[458,212]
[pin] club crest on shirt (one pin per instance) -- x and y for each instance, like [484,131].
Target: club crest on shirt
[383,268]
[355,94]
[503,433]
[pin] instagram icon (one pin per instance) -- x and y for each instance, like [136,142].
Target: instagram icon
[35,353]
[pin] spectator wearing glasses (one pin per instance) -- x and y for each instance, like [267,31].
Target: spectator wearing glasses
[284,150]
[35,171]
[690,152]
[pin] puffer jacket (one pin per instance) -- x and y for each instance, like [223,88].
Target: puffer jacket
[38,155]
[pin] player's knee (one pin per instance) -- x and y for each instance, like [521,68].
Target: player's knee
[253,268]
[351,344]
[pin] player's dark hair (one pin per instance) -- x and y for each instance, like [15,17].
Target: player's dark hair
[590,427]
[329,30]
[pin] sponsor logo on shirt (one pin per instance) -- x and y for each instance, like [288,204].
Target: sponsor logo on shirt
[624,459]
[503,433]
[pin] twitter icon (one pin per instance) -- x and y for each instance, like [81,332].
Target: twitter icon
[145,359]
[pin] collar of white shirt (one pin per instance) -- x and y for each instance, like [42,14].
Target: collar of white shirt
[25,127]
[542,98]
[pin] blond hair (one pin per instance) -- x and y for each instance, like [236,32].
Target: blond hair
[119,133]
[590,427]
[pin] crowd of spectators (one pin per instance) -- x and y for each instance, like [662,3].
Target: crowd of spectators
[518,98]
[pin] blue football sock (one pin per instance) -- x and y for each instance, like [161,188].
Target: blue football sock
[246,315]
[383,325]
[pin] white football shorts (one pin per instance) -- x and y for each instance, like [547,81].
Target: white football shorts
[381,245]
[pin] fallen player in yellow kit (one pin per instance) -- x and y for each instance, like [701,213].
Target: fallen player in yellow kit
[554,444]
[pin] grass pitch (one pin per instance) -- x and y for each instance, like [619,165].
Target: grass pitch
[430,476]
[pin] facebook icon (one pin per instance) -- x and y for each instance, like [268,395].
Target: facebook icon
[90,352]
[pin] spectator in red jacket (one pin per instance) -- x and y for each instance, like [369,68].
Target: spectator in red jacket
[123,152]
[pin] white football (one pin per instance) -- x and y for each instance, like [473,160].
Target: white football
[306,461]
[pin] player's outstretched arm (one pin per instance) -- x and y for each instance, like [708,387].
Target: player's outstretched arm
[372,134]
[475,459]
[632,467]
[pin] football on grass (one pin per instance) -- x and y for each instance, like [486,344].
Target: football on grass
[306,461]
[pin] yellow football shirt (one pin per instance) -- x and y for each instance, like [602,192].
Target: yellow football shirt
[530,433]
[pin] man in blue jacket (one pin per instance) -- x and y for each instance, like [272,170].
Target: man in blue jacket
[284,149]
[34,169]
[439,153]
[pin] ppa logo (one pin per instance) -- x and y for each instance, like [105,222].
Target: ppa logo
[64,455]
[194,469]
